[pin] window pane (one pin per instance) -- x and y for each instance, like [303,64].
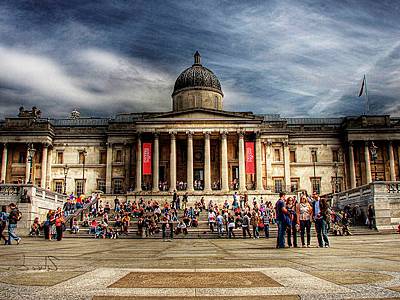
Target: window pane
[292,156]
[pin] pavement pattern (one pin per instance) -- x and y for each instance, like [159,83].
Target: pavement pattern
[355,267]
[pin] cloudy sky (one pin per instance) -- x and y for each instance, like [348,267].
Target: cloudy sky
[296,58]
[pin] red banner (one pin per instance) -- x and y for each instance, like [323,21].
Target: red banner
[250,165]
[146,158]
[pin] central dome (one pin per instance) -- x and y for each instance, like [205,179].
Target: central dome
[197,86]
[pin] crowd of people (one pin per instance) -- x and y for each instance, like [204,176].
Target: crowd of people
[253,218]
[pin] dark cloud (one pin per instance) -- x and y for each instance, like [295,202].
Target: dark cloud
[289,57]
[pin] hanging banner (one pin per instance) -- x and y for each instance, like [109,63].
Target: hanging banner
[146,159]
[250,166]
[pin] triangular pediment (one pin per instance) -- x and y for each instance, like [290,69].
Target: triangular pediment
[205,114]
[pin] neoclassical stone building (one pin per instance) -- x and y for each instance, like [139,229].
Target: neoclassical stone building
[200,147]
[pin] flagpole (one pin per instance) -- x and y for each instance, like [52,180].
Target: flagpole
[366,97]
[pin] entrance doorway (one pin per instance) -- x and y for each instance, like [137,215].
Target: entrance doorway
[235,177]
[198,179]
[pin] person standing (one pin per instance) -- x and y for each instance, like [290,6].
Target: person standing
[220,224]
[3,223]
[319,215]
[294,223]
[371,216]
[304,213]
[246,224]
[185,200]
[13,219]
[266,221]
[282,219]
[59,226]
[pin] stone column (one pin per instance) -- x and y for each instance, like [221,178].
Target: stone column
[189,170]
[391,162]
[172,163]
[207,162]
[4,163]
[109,168]
[49,162]
[128,153]
[286,158]
[259,179]
[28,166]
[242,165]
[367,163]
[224,162]
[352,167]
[44,166]
[268,164]
[138,186]
[156,163]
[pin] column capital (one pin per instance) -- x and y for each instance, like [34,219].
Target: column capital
[172,134]
[285,143]
[269,143]
[156,135]
[241,133]
[207,134]
[189,133]
[5,144]
[351,143]
[224,134]
[46,145]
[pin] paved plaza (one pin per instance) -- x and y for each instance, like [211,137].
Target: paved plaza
[354,267]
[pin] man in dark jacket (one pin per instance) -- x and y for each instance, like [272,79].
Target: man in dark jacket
[13,219]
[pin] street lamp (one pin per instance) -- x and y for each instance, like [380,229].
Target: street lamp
[84,153]
[66,168]
[374,156]
[31,155]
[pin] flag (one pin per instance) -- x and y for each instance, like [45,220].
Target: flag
[146,158]
[362,87]
[249,158]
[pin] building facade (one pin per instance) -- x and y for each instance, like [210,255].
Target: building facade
[198,147]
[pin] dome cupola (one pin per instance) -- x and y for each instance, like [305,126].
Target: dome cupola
[197,86]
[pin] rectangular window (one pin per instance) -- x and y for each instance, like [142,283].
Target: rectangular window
[118,156]
[79,183]
[277,155]
[101,185]
[117,186]
[314,157]
[82,157]
[294,184]
[278,182]
[103,157]
[59,186]
[316,184]
[335,155]
[292,156]
[60,157]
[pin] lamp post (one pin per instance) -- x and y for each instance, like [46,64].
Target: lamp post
[66,168]
[84,152]
[374,156]
[31,155]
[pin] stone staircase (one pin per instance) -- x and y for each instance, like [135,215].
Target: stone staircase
[201,232]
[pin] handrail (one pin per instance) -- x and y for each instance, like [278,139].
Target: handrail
[84,208]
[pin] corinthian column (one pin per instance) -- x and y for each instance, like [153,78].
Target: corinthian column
[156,162]
[189,166]
[352,167]
[4,164]
[259,180]
[172,163]
[138,164]
[391,162]
[242,166]
[44,166]
[207,162]
[367,163]
[224,162]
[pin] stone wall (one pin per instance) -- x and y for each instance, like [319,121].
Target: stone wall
[383,195]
